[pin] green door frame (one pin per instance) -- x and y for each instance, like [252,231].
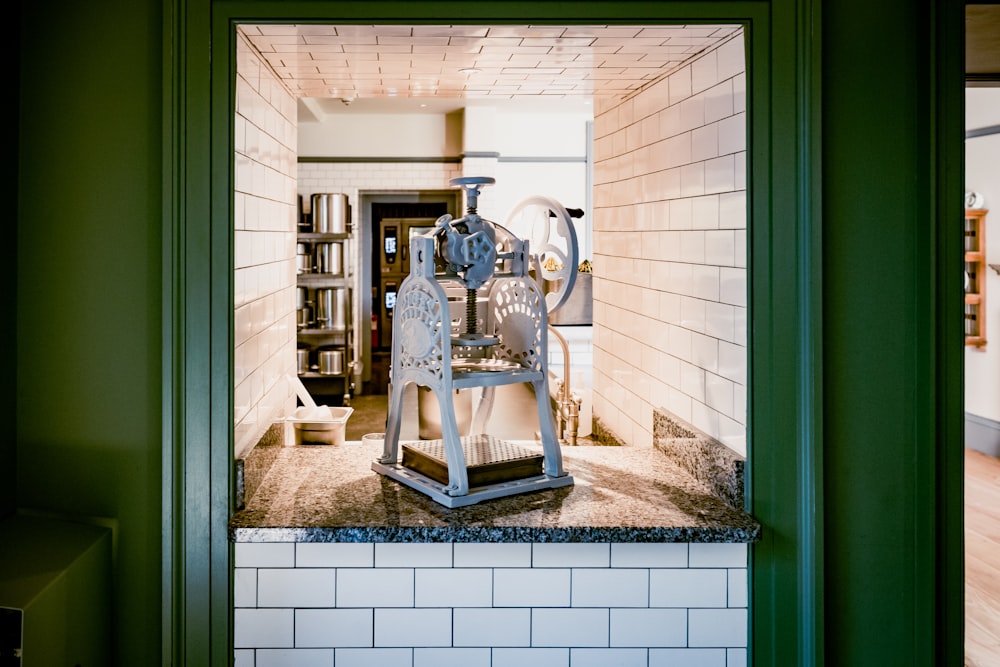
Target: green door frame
[785,416]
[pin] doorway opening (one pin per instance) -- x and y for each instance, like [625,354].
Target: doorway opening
[388,221]
[982,409]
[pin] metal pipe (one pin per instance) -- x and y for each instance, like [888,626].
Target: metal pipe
[569,408]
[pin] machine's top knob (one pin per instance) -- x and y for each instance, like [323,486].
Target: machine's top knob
[470,185]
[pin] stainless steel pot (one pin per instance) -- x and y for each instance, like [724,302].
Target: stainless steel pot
[302,360]
[331,308]
[329,213]
[331,362]
[303,259]
[304,318]
[328,258]
[305,224]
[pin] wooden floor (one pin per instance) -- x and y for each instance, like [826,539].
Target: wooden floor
[982,560]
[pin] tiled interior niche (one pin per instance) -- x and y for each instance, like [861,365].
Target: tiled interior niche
[669,226]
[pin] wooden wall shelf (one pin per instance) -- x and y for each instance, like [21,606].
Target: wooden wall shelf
[975,277]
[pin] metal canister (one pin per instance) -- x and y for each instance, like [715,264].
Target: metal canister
[331,362]
[303,259]
[328,258]
[331,307]
[329,213]
[336,258]
[340,308]
[304,317]
[305,223]
[302,360]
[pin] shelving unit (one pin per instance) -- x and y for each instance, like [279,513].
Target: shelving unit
[975,277]
[325,323]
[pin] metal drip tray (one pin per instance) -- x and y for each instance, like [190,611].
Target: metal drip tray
[488,460]
[463,365]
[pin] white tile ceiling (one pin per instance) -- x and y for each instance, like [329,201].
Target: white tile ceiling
[506,62]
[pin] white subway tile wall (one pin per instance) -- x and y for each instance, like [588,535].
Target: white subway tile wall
[265,219]
[476,554]
[557,605]
[566,182]
[351,177]
[670,252]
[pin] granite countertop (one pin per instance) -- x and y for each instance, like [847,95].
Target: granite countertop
[621,494]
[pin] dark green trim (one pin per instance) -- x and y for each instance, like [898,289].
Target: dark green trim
[9,276]
[220,459]
[625,12]
[810,203]
[811,370]
[196,552]
[947,99]
[171,602]
[196,477]
[785,424]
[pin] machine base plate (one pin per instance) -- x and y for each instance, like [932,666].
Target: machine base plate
[488,460]
[495,468]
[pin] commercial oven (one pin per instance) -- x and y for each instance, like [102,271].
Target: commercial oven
[394,266]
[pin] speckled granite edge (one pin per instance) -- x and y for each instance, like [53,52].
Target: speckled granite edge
[709,461]
[697,534]
[619,495]
[252,468]
[603,435]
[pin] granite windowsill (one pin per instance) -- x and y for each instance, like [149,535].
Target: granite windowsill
[621,494]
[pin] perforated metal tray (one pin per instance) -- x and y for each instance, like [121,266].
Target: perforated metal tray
[488,460]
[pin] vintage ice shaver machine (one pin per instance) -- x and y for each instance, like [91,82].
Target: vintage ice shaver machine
[484,266]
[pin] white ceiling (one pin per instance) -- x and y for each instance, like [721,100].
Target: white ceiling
[401,69]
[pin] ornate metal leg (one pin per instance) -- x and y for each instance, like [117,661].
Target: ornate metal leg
[458,475]
[550,443]
[390,446]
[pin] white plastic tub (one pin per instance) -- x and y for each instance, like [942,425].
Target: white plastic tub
[322,425]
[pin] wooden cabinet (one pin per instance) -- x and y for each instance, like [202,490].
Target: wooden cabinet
[975,277]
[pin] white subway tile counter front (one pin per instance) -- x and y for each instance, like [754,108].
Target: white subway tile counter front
[638,563]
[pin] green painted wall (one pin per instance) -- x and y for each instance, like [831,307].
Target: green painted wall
[88,390]
[8,303]
[893,350]
[88,387]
